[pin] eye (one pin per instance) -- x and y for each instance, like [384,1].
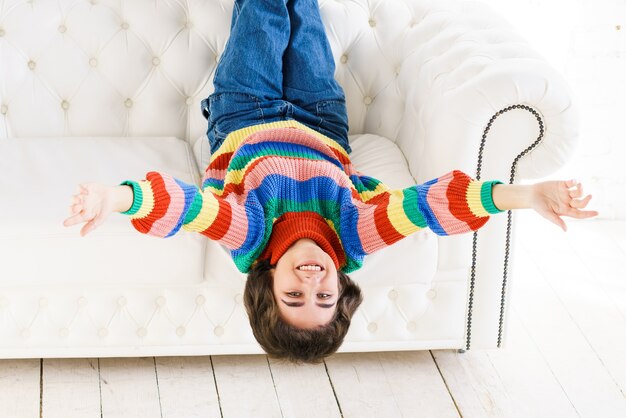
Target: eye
[324,295]
[294,294]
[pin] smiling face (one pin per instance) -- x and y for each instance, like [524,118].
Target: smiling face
[306,285]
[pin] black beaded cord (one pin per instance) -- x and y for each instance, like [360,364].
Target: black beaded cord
[508,227]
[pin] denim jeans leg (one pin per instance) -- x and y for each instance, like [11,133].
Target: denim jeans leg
[248,76]
[252,60]
[308,63]
[309,73]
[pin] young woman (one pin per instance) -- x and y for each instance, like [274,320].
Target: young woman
[281,193]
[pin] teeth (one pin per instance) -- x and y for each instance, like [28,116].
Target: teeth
[310,268]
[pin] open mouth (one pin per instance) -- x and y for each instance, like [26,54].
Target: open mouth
[310,267]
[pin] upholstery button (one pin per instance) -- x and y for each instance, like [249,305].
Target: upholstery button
[189,101]
[372,327]
[217,58]
[65,104]
[432,294]
[200,300]
[3,303]
[25,333]
[32,64]
[160,301]
[128,103]
[121,301]
[180,331]
[62,28]
[64,332]
[393,294]
[93,62]
[43,302]
[218,331]
[94,2]
[2,32]
[372,23]
[125,25]
[156,61]
[238,298]
[367,100]
[344,58]
[103,332]
[4,109]
[411,326]
[142,332]
[82,301]
[188,25]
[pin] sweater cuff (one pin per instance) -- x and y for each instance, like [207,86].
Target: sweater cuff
[137,197]
[486,196]
[480,198]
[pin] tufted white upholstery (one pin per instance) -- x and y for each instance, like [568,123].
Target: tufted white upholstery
[106,90]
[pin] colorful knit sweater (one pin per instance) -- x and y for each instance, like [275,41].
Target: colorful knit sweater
[286,177]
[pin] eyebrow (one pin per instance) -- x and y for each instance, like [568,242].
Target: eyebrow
[299,304]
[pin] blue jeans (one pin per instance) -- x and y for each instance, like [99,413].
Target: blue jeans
[277,65]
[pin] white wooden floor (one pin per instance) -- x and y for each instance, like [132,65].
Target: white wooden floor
[566,357]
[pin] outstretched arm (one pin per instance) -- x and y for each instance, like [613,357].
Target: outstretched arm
[160,206]
[551,199]
[456,204]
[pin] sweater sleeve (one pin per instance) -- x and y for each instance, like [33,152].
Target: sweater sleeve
[162,205]
[449,205]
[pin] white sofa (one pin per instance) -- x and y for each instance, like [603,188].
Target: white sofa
[106,90]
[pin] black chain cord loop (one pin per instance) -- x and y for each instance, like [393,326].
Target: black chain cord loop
[509,222]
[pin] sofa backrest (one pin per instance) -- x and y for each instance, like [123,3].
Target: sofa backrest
[141,67]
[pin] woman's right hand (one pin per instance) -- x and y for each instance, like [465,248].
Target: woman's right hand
[94,202]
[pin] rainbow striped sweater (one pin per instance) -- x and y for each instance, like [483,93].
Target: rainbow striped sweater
[265,172]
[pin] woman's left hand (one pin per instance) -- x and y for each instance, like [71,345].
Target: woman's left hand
[554,199]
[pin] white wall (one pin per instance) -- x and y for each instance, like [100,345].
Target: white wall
[586,41]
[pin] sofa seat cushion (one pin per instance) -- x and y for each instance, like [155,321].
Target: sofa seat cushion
[39,178]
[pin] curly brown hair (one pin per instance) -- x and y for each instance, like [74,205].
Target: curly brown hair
[284,341]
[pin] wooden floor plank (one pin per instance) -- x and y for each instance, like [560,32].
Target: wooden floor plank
[474,383]
[550,314]
[245,386]
[591,283]
[20,388]
[529,382]
[304,390]
[389,385]
[187,387]
[360,385]
[71,388]
[417,385]
[129,388]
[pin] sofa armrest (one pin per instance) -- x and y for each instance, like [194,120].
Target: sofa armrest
[468,65]
[467,71]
